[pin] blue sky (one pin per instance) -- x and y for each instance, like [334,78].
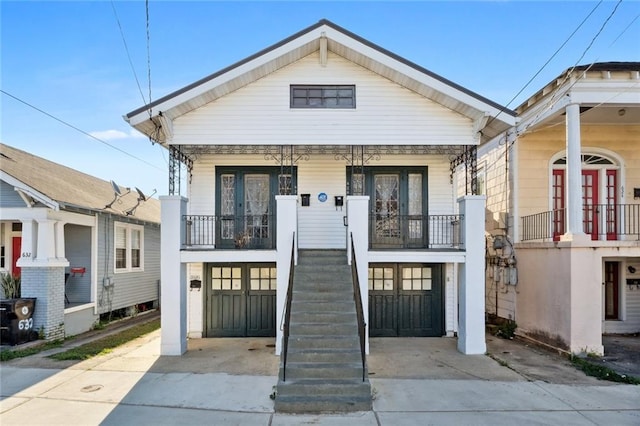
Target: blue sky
[69,60]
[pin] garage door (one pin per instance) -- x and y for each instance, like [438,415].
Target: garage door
[405,300]
[240,300]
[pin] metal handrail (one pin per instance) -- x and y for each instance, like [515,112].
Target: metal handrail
[287,313]
[359,310]
[610,221]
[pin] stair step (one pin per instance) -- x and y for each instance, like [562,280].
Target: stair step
[317,387]
[323,329]
[324,316]
[314,342]
[322,404]
[324,355]
[321,306]
[324,370]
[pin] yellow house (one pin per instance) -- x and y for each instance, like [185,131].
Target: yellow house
[563,210]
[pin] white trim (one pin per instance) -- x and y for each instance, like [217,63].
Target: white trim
[25,189]
[129,227]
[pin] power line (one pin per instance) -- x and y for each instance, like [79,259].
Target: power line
[126,48]
[568,73]
[148,54]
[79,130]
[546,63]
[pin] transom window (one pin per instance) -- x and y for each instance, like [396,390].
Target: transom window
[226,278]
[416,278]
[263,278]
[321,96]
[129,247]
[381,278]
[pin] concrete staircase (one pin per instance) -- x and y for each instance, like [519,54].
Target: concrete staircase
[324,364]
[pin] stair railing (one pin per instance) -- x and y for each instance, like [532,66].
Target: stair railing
[362,325]
[287,312]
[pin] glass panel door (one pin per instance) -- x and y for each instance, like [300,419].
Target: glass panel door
[590,202]
[386,205]
[256,209]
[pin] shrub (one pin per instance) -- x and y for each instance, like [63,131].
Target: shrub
[10,286]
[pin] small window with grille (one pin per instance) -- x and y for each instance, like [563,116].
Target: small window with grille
[321,96]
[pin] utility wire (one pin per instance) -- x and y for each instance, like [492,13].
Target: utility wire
[546,63]
[148,54]
[79,130]
[126,48]
[552,98]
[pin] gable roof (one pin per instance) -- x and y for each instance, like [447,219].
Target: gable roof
[60,187]
[150,119]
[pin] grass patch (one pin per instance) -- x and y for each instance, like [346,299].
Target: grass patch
[8,355]
[107,344]
[601,372]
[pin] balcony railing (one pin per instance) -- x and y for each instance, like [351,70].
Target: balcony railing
[415,231]
[385,231]
[229,232]
[601,221]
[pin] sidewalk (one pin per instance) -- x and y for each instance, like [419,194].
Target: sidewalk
[229,381]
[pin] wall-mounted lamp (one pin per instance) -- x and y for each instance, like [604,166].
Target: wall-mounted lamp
[622,112]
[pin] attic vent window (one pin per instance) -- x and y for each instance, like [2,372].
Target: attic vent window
[321,96]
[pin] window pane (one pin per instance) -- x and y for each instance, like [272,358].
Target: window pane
[121,258]
[135,258]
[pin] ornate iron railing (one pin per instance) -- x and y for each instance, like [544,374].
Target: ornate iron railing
[241,232]
[362,325]
[601,221]
[415,231]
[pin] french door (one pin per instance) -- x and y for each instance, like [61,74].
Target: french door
[597,212]
[398,206]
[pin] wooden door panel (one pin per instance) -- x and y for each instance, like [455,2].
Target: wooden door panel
[261,314]
[382,315]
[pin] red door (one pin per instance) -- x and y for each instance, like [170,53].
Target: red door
[15,255]
[558,204]
[590,203]
[611,219]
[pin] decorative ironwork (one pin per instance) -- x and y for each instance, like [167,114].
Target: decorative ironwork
[177,157]
[469,157]
[340,152]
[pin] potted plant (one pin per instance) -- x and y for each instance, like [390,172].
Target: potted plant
[10,286]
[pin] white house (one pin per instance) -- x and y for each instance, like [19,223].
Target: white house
[318,139]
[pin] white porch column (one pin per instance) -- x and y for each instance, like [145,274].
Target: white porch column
[27,244]
[358,226]
[59,232]
[471,327]
[573,176]
[287,224]
[173,277]
[46,249]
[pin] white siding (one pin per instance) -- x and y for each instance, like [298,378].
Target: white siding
[385,113]
[195,301]
[321,225]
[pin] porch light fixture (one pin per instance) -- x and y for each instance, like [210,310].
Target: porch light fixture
[622,112]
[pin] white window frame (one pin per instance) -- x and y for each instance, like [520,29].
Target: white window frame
[129,228]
